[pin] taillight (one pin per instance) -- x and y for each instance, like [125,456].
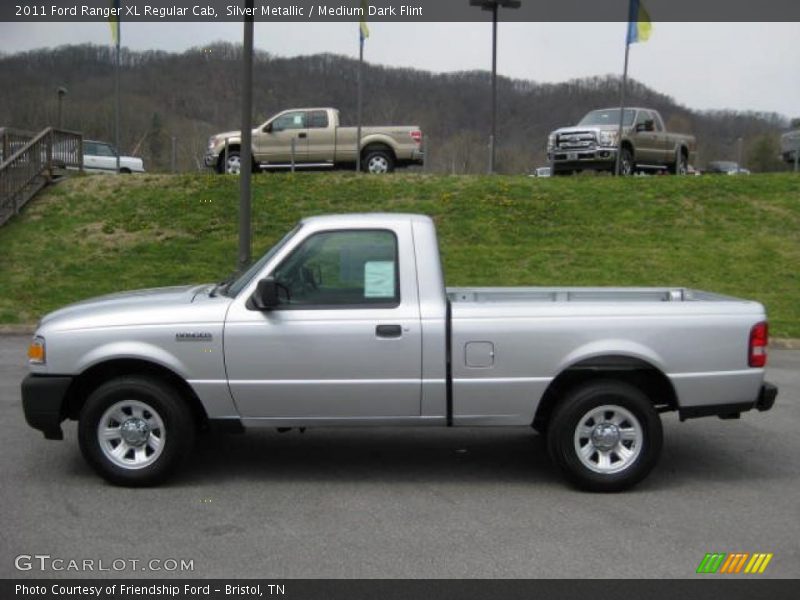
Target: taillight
[416,135]
[757,350]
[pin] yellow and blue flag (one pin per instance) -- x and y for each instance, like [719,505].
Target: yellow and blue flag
[113,22]
[639,25]
[363,30]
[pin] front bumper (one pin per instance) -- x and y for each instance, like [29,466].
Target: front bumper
[44,403]
[210,159]
[765,401]
[583,158]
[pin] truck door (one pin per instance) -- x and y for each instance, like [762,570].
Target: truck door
[273,144]
[666,146]
[344,343]
[321,137]
[648,149]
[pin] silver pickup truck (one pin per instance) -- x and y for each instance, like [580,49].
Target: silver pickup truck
[346,321]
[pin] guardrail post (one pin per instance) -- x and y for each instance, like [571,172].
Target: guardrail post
[293,151]
[174,156]
[49,165]
[225,161]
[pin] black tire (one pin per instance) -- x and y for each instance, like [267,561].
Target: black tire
[124,171]
[563,438]
[626,165]
[377,161]
[176,438]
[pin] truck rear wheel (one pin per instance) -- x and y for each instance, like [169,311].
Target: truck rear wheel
[605,436]
[135,431]
[378,161]
[681,164]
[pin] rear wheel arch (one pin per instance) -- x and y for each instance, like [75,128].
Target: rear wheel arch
[100,373]
[639,373]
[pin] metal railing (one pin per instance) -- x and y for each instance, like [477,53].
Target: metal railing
[29,162]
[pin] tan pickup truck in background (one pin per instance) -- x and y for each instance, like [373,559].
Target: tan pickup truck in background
[318,142]
[646,144]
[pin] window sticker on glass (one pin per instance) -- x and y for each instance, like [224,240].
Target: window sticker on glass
[379,279]
[298,120]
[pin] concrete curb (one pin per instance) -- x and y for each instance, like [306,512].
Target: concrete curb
[778,344]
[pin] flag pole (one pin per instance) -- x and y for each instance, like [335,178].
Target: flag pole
[116,88]
[622,106]
[360,97]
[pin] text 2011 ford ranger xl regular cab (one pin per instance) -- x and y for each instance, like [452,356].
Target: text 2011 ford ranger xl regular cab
[346,321]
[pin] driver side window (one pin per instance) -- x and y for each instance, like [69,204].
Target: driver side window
[293,120]
[338,269]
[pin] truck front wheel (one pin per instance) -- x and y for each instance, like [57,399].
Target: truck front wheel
[232,165]
[626,165]
[378,161]
[134,431]
[605,436]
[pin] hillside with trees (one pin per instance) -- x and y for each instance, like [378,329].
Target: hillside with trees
[194,94]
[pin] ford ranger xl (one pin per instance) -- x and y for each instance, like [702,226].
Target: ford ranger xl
[312,138]
[346,321]
[593,143]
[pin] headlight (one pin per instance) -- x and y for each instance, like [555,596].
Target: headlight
[36,351]
[608,138]
[212,141]
[551,141]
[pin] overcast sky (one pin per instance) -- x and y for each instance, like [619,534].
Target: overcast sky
[742,66]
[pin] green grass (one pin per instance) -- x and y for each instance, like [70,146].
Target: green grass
[735,235]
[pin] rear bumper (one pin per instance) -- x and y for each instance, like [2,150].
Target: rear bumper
[765,401]
[44,403]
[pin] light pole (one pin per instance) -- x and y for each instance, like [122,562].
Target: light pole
[246,156]
[62,91]
[493,6]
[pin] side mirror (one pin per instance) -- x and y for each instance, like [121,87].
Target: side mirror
[268,128]
[266,295]
[646,126]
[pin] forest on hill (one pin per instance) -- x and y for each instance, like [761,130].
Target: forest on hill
[196,93]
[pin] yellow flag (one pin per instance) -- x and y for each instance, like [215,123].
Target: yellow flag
[364,30]
[113,22]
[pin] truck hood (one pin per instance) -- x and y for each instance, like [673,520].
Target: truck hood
[138,307]
[577,128]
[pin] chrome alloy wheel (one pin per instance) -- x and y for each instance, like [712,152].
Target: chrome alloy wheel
[378,164]
[233,165]
[131,434]
[608,439]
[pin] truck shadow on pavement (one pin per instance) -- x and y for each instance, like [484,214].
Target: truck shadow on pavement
[382,455]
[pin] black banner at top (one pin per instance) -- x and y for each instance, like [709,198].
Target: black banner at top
[410,11]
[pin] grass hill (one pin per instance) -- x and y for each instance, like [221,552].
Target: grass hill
[737,235]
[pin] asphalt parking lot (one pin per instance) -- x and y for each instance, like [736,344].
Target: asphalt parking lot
[407,503]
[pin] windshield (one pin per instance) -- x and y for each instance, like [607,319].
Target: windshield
[608,117]
[236,287]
